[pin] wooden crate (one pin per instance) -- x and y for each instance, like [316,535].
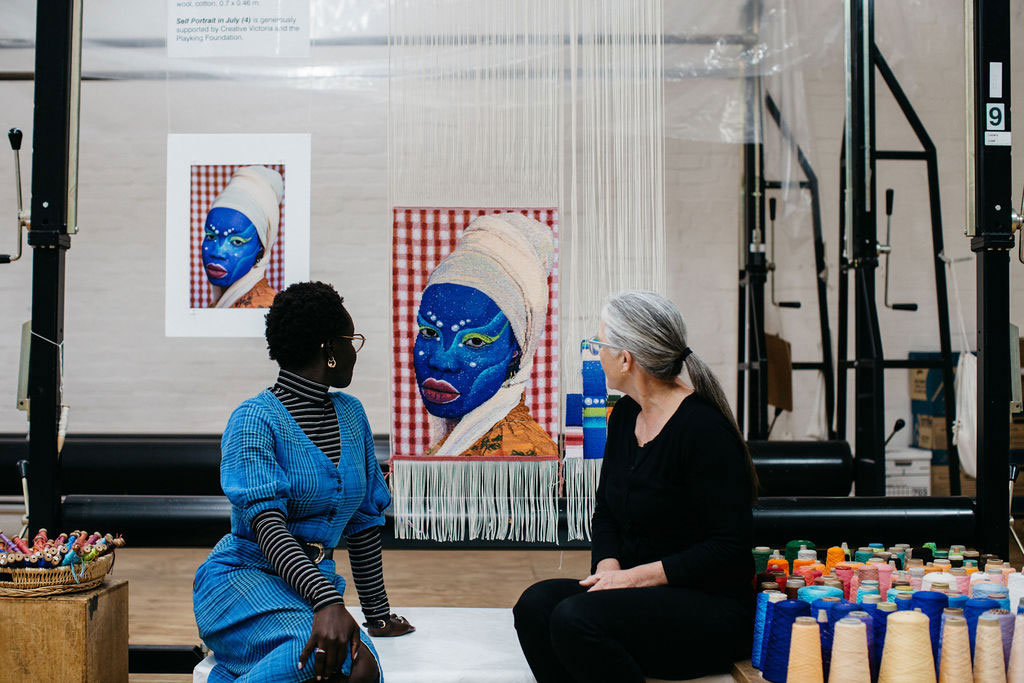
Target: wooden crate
[71,638]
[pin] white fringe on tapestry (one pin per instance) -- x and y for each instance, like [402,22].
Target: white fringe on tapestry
[489,500]
[581,477]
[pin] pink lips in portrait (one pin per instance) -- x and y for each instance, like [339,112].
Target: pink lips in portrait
[439,391]
[215,271]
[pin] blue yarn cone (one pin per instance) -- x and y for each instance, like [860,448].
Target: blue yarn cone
[826,629]
[931,603]
[759,616]
[776,661]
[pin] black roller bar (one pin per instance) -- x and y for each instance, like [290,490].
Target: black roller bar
[803,468]
[199,521]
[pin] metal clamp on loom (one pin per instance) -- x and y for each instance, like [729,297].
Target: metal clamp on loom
[15,137]
[886,250]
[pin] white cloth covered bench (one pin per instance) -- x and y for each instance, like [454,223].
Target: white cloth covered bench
[452,645]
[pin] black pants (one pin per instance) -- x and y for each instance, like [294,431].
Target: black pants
[624,635]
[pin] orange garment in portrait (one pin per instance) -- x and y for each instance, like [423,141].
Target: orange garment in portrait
[516,435]
[260,296]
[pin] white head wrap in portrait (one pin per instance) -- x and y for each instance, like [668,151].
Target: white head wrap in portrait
[508,257]
[256,192]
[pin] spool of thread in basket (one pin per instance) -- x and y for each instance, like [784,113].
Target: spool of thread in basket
[1016,671]
[988,651]
[811,593]
[760,613]
[955,662]
[1006,622]
[805,652]
[776,661]
[850,662]
[908,655]
[974,608]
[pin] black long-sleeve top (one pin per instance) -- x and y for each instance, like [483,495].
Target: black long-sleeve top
[683,498]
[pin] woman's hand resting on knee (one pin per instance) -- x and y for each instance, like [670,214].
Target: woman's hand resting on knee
[609,576]
[335,633]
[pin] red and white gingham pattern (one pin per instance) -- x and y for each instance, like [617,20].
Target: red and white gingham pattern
[422,237]
[208,182]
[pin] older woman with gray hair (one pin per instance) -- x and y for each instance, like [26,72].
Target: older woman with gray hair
[670,594]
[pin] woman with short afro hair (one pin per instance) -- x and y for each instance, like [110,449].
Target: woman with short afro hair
[299,468]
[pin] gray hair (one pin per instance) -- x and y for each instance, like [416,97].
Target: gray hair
[652,329]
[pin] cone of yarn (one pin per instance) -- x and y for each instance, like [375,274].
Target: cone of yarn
[850,662]
[983,589]
[1015,587]
[1015,674]
[834,556]
[842,610]
[760,611]
[916,577]
[761,554]
[907,657]
[881,616]
[769,616]
[821,611]
[956,600]
[805,652]
[874,654]
[1006,622]
[974,608]
[794,547]
[955,663]
[946,614]
[930,580]
[885,572]
[996,575]
[776,661]
[811,593]
[931,604]
[844,572]
[988,652]
[904,602]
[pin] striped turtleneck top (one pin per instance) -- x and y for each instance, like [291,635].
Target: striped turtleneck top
[310,405]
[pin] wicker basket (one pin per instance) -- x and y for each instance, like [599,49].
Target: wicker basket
[32,582]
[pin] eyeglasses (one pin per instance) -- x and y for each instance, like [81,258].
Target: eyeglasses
[593,344]
[357,340]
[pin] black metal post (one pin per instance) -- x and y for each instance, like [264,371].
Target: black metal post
[820,265]
[843,322]
[938,248]
[58,26]
[869,449]
[992,242]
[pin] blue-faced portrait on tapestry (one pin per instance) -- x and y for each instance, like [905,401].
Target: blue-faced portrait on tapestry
[474,324]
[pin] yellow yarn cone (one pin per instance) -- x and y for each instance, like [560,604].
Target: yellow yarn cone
[955,662]
[988,653]
[907,656]
[805,652]
[1016,672]
[849,653]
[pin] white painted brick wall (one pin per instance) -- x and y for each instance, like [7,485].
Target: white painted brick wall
[124,375]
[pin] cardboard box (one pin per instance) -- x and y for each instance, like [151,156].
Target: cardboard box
[908,472]
[71,638]
[930,432]
[940,482]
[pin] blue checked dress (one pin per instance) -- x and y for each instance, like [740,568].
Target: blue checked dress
[254,622]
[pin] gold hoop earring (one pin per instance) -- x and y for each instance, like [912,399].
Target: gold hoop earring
[331,362]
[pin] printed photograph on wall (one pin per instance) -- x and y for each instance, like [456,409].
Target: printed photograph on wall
[237,229]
